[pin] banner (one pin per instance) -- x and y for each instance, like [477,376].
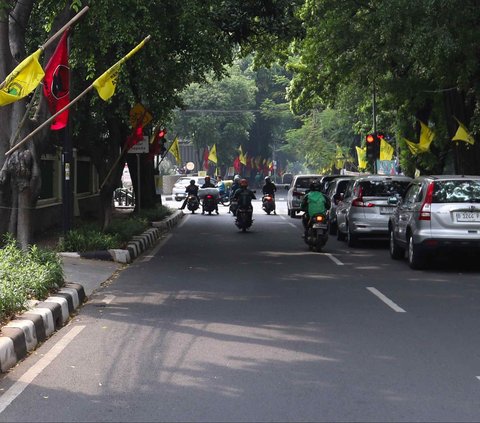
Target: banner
[175,150]
[212,156]
[56,86]
[462,134]
[386,150]
[22,80]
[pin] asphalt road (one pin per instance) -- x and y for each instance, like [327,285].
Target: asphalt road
[219,325]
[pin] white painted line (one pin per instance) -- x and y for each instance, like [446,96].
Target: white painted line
[334,259]
[108,299]
[290,223]
[156,249]
[386,300]
[28,377]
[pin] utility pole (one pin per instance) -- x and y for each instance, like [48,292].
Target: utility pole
[374,117]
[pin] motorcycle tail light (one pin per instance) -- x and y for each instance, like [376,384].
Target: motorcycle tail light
[319,218]
[209,196]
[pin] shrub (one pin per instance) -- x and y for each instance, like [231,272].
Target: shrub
[26,275]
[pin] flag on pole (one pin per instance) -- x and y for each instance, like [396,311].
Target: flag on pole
[362,157]
[22,80]
[212,155]
[56,86]
[426,137]
[412,146]
[462,133]
[205,158]
[242,157]
[386,150]
[105,84]
[175,150]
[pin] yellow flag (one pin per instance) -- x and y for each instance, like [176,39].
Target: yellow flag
[105,84]
[462,134]
[212,155]
[22,80]
[412,146]
[242,157]
[175,150]
[426,137]
[386,150]
[362,157]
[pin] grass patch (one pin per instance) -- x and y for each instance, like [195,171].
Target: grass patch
[89,236]
[26,275]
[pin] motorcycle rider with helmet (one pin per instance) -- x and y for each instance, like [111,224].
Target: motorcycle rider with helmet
[244,196]
[314,202]
[269,189]
[208,184]
[191,189]
[233,189]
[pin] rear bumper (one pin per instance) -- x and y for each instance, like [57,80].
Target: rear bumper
[450,244]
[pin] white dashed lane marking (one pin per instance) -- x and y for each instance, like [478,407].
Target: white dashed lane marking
[386,300]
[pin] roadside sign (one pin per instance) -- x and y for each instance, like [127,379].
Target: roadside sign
[140,147]
[137,112]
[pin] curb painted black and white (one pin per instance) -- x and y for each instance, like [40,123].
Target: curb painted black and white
[136,246]
[22,334]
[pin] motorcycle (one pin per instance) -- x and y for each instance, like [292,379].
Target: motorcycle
[244,218]
[192,203]
[316,232]
[268,203]
[209,204]
[233,206]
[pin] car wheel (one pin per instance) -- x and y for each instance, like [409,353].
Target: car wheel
[416,258]
[396,252]
[351,238]
[340,235]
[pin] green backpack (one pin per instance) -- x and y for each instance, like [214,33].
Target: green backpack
[316,203]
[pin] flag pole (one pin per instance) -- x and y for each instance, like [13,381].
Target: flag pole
[16,146]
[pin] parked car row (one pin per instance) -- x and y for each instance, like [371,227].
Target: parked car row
[420,217]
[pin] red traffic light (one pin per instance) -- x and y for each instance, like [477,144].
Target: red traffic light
[370,138]
[162,133]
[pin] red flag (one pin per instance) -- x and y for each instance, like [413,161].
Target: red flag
[205,158]
[237,164]
[56,87]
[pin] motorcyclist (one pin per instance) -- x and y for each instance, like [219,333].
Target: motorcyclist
[314,202]
[208,184]
[269,189]
[244,196]
[233,189]
[191,189]
[220,185]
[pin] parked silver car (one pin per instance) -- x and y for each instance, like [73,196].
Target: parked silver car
[364,210]
[296,192]
[335,191]
[436,213]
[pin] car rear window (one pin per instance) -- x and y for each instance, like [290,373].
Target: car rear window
[304,182]
[456,191]
[383,188]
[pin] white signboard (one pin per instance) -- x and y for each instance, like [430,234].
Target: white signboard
[141,147]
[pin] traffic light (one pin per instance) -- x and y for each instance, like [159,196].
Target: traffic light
[162,150]
[371,141]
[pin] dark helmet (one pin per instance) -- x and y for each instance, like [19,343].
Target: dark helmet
[315,186]
[207,178]
[244,183]
[267,179]
[237,178]
[192,182]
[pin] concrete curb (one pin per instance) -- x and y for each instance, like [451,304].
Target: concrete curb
[22,334]
[136,246]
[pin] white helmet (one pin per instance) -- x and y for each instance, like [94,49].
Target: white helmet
[237,178]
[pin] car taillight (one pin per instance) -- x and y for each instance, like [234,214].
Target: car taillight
[297,193]
[426,209]
[358,202]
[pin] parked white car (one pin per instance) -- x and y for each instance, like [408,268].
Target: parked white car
[178,190]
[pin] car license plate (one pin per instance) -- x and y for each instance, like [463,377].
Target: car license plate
[467,216]
[319,226]
[386,210]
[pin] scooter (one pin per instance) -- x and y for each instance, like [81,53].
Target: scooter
[316,232]
[268,203]
[244,218]
[192,203]
[209,204]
